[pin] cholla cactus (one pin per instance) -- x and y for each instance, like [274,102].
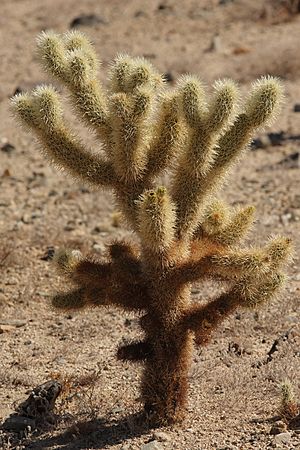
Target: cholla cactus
[289,408]
[186,234]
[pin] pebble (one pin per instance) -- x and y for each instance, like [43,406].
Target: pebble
[13,322]
[139,13]
[18,90]
[161,436]
[60,361]
[285,219]
[164,7]
[6,328]
[18,423]
[297,107]
[262,142]
[117,410]
[48,255]
[98,247]
[291,161]
[153,445]
[8,148]
[278,428]
[215,45]
[87,20]
[169,77]
[282,438]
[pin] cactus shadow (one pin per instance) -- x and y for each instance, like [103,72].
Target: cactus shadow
[95,434]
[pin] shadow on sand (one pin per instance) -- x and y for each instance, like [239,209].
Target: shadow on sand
[93,434]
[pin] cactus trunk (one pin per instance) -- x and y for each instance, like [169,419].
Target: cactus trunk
[165,375]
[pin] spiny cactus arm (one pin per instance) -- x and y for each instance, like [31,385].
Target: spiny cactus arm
[202,320]
[225,227]
[204,126]
[41,111]
[249,292]
[134,352]
[72,300]
[72,59]
[128,74]
[133,83]
[120,73]
[235,263]
[259,109]
[156,227]
[168,136]
[117,282]
[125,296]
[129,114]
[215,218]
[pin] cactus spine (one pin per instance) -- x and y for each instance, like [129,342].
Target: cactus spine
[186,234]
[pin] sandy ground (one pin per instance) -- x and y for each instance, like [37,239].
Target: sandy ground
[234,393]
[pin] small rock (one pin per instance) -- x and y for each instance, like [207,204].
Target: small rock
[216,44]
[6,328]
[13,322]
[278,427]
[26,218]
[164,7]
[169,77]
[41,401]
[48,255]
[18,423]
[60,361]
[286,218]
[297,107]
[52,193]
[282,438]
[117,410]
[153,445]
[98,247]
[18,90]
[161,436]
[69,227]
[139,13]
[8,148]
[262,142]
[238,349]
[6,173]
[291,161]
[277,138]
[87,20]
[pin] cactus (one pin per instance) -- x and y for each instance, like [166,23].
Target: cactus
[186,233]
[289,408]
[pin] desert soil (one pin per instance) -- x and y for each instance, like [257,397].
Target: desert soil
[234,385]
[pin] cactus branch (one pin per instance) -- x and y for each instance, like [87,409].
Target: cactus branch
[234,264]
[71,59]
[41,111]
[191,188]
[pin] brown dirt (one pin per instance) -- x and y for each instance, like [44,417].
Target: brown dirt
[233,386]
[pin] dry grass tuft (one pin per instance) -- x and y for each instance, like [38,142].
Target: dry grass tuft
[77,400]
